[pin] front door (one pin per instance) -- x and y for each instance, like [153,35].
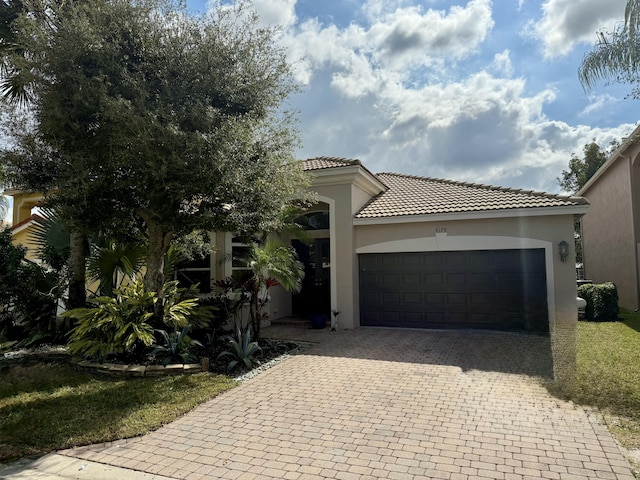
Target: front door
[315,295]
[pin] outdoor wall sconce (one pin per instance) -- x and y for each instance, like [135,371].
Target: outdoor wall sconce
[563,249]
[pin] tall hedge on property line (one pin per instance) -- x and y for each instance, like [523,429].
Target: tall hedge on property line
[602,301]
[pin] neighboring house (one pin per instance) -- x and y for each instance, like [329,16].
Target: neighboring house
[611,229]
[23,219]
[393,250]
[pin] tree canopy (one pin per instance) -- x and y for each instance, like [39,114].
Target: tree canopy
[615,57]
[582,169]
[144,114]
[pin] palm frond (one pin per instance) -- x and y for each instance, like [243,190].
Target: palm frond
[51,237]
[615,57]
[115,259]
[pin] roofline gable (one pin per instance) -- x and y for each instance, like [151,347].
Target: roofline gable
[351,171]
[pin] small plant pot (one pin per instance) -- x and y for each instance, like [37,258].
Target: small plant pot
[319,320]
[204,362]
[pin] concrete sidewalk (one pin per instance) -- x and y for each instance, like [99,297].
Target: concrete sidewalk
[373,404]
[62,467]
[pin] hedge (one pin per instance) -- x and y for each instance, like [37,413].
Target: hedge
[602,301]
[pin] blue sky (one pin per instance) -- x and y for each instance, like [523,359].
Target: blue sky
[468,90]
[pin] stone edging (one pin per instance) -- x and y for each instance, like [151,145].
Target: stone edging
[120,370]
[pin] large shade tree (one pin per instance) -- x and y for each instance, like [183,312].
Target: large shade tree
[148,116]
[615,57]
[582,169]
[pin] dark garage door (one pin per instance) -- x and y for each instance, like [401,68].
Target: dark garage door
[489,289]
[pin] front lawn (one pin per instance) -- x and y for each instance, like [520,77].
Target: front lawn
[50,406]
[608,374]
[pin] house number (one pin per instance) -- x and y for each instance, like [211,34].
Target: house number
[441,230]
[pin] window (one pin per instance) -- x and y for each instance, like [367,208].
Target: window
[314,221]
[240,251]
[195,271]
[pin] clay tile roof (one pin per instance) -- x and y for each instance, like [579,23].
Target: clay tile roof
[319,163]
[412,195]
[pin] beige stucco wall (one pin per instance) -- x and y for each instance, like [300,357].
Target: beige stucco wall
[608,233]
[23,203]
[520,232]
[23,237]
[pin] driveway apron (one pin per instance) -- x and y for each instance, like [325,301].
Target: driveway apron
[384,403]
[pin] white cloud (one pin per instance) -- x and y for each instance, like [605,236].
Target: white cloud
[409,34]
[597,102]
[502,63]
[276,12]
[393,44]
[566,22]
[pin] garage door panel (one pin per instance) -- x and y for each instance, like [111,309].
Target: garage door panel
[481,261]
[456,260]
[455,300]
[433,282]
[456,282]
[412,298]
[409,279]
[482,282]
[411,261]
[391,297]
[501,289]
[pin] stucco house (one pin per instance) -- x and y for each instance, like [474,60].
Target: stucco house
[23,219]
[403,251]
[611,228]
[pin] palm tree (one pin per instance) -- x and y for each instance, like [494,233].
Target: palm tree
[615,57]
[272,263]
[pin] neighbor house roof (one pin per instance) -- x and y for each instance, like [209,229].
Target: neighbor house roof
[412,195]
[26,223]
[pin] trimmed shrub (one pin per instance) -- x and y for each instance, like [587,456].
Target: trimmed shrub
[602,301]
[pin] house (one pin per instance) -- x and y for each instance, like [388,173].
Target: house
[611,228]
[401,251]
[23,219]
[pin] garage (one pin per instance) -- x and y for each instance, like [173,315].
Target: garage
[480,289]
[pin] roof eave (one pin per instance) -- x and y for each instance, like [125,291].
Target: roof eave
[475,215]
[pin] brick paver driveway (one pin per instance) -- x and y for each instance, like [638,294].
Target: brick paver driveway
[385,403]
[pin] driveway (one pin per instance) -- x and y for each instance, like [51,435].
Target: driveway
[384,403]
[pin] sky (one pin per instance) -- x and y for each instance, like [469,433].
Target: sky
[474,90]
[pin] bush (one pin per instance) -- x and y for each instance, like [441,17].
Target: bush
[602,301]
[29,293]
[123,324]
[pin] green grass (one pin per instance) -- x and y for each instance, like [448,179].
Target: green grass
[608,374]
[48,407]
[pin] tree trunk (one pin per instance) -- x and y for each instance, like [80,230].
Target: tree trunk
[77,273]
[159,242]
[254,310]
